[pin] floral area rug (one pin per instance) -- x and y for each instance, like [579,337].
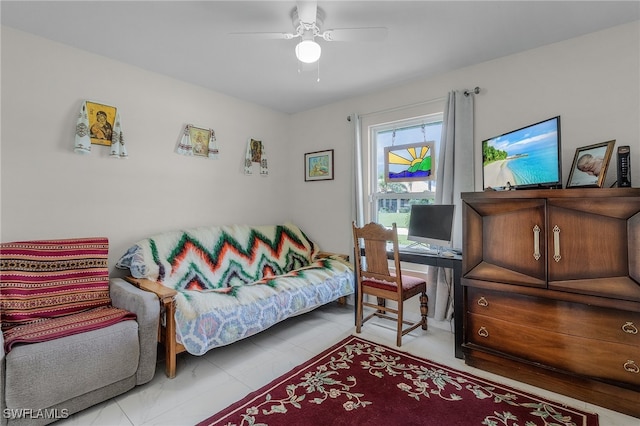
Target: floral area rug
[358,382]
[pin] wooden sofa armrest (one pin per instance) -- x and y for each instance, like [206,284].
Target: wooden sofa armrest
[167,331]
[342,256]
[155,287]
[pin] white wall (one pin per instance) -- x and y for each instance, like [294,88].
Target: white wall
[48,191]
[592,82]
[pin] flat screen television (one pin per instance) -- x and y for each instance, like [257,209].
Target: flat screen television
[431,224]
[526,158]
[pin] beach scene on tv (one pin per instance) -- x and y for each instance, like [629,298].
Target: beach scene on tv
[524,157]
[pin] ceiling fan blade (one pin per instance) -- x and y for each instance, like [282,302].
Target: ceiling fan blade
[264,36]
[307,11]
[356,34]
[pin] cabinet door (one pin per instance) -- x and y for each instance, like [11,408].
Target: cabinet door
[594,245]
[505,241]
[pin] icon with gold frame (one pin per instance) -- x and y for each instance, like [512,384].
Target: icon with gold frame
[102,120]
[200,140]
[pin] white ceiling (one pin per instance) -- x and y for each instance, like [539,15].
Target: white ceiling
[191,41]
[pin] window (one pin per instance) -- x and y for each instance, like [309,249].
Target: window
[390,200]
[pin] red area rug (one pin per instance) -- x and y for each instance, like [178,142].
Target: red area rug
[358,382]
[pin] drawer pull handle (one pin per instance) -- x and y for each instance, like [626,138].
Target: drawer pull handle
[536,242]
[556,244]
[483,332]
[629,327]
[631,367]
[483,302]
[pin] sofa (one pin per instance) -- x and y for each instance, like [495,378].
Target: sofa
[71,338]
[220,284]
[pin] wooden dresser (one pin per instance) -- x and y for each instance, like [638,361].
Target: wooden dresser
[551,290]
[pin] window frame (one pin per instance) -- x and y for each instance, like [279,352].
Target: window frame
[373,196]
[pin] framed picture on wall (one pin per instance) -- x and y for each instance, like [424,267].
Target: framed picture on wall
[102,119]
[590,164]
[318,165]
[200,140]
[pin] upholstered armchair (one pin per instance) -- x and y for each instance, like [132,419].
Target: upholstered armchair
[71,338]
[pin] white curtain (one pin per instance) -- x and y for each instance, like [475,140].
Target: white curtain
[357,207]
[455,174]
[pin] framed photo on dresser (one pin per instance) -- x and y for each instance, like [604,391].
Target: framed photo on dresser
[590,164]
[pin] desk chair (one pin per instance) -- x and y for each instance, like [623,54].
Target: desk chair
[376,280]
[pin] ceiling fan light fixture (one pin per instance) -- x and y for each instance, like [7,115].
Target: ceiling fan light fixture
[308,51]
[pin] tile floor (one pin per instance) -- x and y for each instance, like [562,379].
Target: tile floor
[207,384]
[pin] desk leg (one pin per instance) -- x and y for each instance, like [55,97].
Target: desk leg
[458,309]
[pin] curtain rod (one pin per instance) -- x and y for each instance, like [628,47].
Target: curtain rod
[466,92]
[440,99]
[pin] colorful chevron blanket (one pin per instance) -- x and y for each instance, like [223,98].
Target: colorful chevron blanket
[234,281]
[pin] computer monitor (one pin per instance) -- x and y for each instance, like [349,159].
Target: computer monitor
[431,224]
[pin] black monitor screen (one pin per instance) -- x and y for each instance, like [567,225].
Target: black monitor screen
[431,223]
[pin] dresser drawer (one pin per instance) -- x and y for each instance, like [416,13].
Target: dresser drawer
[557,316]
[588,357]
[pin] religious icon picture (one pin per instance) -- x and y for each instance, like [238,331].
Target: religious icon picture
[256,151]
[200,140]
[101,122]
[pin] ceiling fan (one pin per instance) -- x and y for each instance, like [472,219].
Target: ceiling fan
[307,19]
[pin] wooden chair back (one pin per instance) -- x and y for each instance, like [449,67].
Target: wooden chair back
[378,241]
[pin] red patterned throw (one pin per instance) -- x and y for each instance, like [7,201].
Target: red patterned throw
[54,288]
[54,328]
[358,382]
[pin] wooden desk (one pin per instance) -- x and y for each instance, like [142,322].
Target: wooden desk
[454,263]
